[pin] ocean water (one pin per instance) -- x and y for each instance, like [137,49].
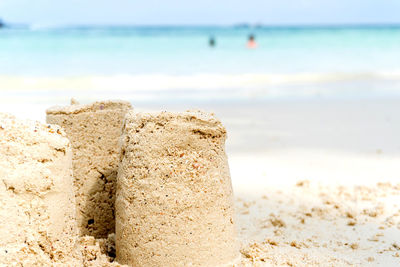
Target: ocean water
[177,62]
[185,50]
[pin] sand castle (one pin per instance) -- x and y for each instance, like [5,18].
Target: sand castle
[174,203]
[94,131]
[37,204]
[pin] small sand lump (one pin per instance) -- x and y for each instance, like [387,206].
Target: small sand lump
[37,207]
[94,131]
[174,203]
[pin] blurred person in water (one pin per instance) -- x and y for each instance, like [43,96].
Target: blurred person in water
[251,43]
[211,41]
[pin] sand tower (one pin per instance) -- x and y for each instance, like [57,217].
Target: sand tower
[37,206]
[94,131]
[174,203]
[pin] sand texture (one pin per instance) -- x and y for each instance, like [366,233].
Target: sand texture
[98,252]
[94,131]
[37,206]
[174,204]
[310,224]
[316,184]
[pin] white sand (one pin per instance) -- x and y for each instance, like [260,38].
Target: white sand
[343,148]
[340,215]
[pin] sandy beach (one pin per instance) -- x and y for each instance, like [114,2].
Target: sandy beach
[194,133]
[316,181]
[322,187]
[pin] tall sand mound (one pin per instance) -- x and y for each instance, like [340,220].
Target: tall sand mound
[94,131]
[174,204]
[37,207]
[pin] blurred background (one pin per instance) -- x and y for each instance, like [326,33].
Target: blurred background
[149,52]
[290,77]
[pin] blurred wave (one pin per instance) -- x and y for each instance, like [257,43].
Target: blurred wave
[152,87]
[201,81]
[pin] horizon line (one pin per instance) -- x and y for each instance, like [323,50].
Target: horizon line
[230,25]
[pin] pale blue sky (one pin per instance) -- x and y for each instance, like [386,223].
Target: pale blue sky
[178,12]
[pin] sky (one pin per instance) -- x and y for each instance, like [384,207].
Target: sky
[209,12]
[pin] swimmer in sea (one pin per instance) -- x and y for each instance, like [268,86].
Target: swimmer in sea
[251,43]
[211,42]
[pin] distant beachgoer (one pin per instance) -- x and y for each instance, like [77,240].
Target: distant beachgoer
[211,42]
[251,43]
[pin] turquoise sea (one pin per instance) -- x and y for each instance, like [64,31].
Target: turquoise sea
[184,50]
[165,61]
